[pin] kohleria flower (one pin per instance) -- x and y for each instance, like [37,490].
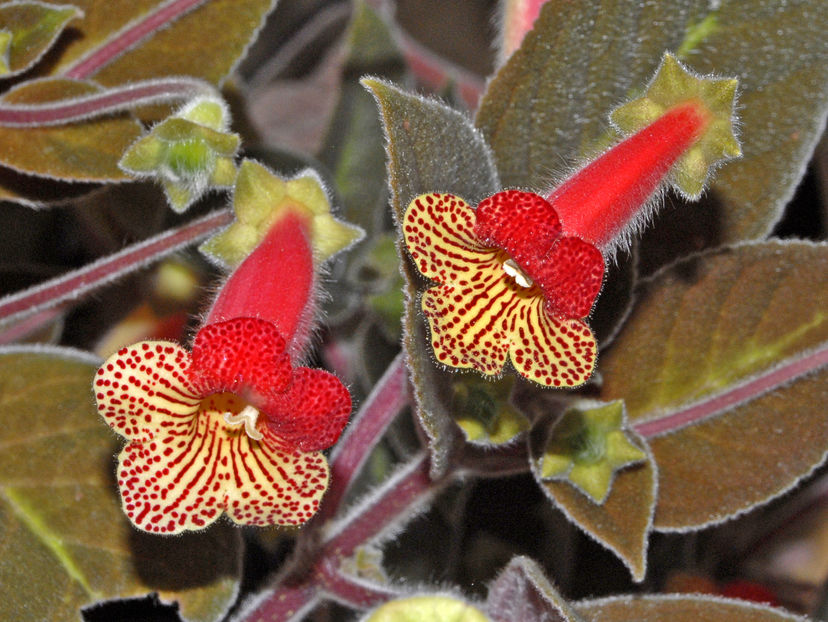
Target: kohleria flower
[517,277]
[510,286]
[232,426]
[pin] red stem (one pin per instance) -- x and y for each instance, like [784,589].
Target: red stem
[714,405]
[390,395]
[105,102]
[134,32]
[75,284]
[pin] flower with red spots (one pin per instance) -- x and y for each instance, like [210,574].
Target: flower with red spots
[517,276]
[510,285]
[232,426]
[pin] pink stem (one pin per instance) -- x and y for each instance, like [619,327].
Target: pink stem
[75,284]
[390,395]
[105,102]
[354,593]
[29,325]
[715,405]
[292,603]
[134,32]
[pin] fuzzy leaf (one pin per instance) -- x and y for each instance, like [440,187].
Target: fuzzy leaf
[679,608]
[522,592]
[623,520]
[66,541]
[204,39]
[430,148]
[33,28]
[553,96]
[87,151]
[731,345]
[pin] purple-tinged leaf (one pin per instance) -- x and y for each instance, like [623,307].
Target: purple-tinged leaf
[679,608]
[722,367]
[33,28]
[522,592]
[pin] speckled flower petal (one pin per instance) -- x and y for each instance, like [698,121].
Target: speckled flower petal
[523,224]
[439,234]
[571,277]
[186,480]
[312,413]
[549,350]
[241,355]
[144,390]
[467,322]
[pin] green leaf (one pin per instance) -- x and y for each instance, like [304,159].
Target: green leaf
[87,151]
[679,608]
[204,42]
[33,28]
[623,521]
[721,366]
[522,592]
[430,148]
[551,100]
[434,608]
[66,542]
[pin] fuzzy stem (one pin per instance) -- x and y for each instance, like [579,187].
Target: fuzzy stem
[75,284]
[601,199]
[120,42]
[390,395]
[106,102]
[355,593]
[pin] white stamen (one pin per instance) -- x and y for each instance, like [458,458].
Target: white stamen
[514,271]
[247,416]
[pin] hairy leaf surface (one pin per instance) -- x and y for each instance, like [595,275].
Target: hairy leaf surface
[722,367]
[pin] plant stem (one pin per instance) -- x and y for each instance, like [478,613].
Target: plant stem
[390,395]
[75,284]
[107,101]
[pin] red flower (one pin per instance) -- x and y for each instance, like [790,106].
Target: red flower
[510,284]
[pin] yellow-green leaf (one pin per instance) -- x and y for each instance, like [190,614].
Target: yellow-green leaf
[87,151]
[679,608]
[722,367]
[32,28]
[66,542]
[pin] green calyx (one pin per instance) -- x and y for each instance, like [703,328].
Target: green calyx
[588,444]
[674,85]
[190,152]
[483,410]
[261,197]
